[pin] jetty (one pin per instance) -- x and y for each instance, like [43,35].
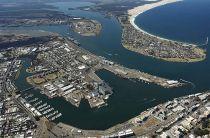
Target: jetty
[141,76]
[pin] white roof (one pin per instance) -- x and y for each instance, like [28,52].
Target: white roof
[178,108]
[190,118]
[85,57]
[163,135]
[66,49]
[203,96]
[172,82]
[19,136]
[191,136]
[66,87]
[1,55]
[34,49]
[208,106]
[82,67]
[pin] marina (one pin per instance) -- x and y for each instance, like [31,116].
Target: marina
[40,109]
[114,113]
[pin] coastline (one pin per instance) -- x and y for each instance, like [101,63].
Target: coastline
[146,123]
[133,13]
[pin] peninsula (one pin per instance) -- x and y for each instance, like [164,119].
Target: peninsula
[60,68]
[75,80]
[50,86]
[137,40]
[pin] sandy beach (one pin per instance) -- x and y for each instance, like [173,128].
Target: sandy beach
[133,13]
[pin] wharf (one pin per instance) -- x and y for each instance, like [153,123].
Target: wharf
[141,76]
[126,72]
[157,120]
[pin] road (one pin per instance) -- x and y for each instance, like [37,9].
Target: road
[4,88]
[126,72]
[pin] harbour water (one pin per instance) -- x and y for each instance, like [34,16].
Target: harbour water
[130,98]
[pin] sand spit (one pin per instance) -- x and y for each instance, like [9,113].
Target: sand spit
[133,13]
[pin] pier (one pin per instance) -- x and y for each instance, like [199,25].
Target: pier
[141,76]
[125,72]
[27,89]
[39,109]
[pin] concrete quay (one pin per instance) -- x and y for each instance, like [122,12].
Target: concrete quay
[141,76]
[176,118]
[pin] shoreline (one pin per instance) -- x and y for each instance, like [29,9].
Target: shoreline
[136,11]
[136,126]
